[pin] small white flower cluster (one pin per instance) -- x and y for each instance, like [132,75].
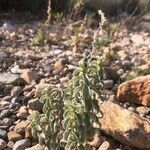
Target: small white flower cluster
[99,31]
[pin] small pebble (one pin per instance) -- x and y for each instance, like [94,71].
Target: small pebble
[3,134]
[22,144]
[2,144]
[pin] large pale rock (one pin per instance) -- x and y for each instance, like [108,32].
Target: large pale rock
[9,78]
[125,126]
[135,91]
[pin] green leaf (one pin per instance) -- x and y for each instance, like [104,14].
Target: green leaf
[95,105]
[66,122]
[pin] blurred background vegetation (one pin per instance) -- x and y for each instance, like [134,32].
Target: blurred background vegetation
[109,7]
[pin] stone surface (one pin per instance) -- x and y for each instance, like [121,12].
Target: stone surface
[22,144]
[143,110]
[97,140]
[111,74]
[22,114]
[6,122]
[3,56]
[135,91]
[125,126]
[36,147]
[144,26]
[35,104]
[9,78]
[5,113]
[29,76]
[108,84]
[10,144]
[123,55]
[13,136]
[9,27]
[16,91]
[145,68]
[22,126]
[58,66]
[3,134]
[40,87]
[2,144]
[146,17]
[105,146]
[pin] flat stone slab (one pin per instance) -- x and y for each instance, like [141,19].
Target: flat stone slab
[9,78]
[125,126]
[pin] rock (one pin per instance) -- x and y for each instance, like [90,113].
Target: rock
[3,134]
[135,91]
[105,146]
[40,87]
[126,64]
[9,78]
[2,144]
[120,72]
[143,110]
[34,57]
[15,69]
[29,76]
[125,126]
[72,67]
[108,84]
[58,66]
[9,27]
[123,55]
[5,113]
[132,109]
[6,98]
[13,136]
[137,39]
[97,140]
[22,114]
[3,56]
[22,144]
[28,133]
[35,104]
[7,89]
[6,122]
[146,17]
[111,74]
[36,147]
[57,51]
[144,26]
[10,144]
[4,104]
[21,126]
[145,68]
[16,91]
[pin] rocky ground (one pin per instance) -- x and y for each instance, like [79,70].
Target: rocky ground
[30,62]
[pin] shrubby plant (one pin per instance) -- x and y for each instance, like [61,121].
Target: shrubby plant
[47,126]
[70,116]
[79,105]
